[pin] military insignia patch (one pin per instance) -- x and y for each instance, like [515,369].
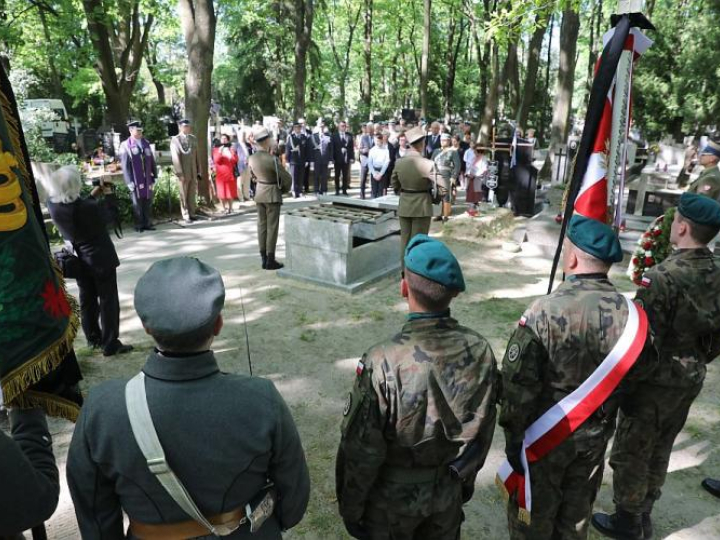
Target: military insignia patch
[707,187]
[646,282]
[360,368]
[523,320]
[348,405]
[513,353]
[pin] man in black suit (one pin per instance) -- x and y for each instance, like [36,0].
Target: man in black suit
[344,151]
[432,141]
[81,223]
[296,156]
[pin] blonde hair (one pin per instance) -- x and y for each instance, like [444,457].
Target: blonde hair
[64,185]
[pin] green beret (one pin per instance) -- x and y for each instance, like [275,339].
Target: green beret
[432,259]
[178,296]
[700,209]
[595,238]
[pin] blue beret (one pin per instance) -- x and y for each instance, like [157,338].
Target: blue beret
[595,238]
[178,296]
[700,209]
[433,260]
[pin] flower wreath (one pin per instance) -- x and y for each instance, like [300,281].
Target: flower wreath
[653,246]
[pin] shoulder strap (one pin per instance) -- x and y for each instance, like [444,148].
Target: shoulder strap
[147,439]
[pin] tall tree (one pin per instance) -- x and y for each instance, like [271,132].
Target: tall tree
[342,61]
[366,82]
[454,41]
[304,15]
[198,22]
[119,39]
[569,30]
[531,70]
[424,71]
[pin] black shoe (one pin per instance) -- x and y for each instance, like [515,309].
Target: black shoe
[193,218]
[139,229]
[621,525]
[119,349]
[150,228]
[272,264]
[264,258]
[437,218]
[647,526]
[712,486]
[345,192]
[337,192]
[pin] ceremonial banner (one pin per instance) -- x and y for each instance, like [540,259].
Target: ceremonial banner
[38,320]
[558,423]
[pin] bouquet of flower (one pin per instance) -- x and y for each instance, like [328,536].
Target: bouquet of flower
[653,246]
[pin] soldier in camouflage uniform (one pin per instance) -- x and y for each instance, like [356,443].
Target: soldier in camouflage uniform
[447,163]
[708,183]
[419,401]
[560,341]
[682,299]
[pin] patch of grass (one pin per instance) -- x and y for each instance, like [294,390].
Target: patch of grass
[308,336]
[502,310]
[276,294]
[377,316]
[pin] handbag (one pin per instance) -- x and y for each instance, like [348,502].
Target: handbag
[70,265]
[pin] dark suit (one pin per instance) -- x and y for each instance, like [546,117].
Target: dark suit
[344,150]
[225,436]
[432,143]
[321,149]
[81,223]
[30,481]
[295,155]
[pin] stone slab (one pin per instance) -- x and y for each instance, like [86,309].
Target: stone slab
[350,288]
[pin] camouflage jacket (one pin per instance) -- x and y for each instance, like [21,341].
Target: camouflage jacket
[560,341]
[418,401]
[682,299]
[708,183]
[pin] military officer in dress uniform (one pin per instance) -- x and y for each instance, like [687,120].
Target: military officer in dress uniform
[447,163]
[295,156]
[321,150]
[228,438]
[272,181]
[419,421]
[140,172]
[680,296]
[344,149]
[412,179]
[558,344]
[708,183]
[183,148]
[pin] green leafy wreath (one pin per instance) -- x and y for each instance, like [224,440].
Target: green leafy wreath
[653,246]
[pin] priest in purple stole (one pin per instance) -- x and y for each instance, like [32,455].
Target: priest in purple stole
[140,171]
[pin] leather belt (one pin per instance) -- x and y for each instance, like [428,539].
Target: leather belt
[225,523]
[415,191]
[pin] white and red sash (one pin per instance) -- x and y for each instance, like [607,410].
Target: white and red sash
[563,418]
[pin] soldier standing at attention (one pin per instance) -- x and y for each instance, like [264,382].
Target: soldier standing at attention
[681,298]
[420,419]
[229,440]
[447,163]
[272,181]
[183,148]
[412,179]
[295,151]
[559,352]
[708,183]
[140,172]
[344,149]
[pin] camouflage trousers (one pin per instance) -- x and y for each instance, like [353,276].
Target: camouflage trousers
[385,524]
[564,486]
[649,423]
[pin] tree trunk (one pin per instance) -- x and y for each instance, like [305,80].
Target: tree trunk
[120,46]
[494,91]
[304,14]
[511,78]
[199,22]
[425,58]
[453,52]
[566,78]
[533,63]
[151,62]
[366,84]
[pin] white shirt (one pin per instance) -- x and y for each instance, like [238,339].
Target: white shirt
[378,160]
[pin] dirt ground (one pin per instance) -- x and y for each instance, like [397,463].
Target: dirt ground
[308,339]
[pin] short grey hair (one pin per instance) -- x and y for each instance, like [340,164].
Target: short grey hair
[64,185]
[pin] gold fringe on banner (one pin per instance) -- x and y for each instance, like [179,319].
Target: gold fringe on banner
[523,514]
[15,383]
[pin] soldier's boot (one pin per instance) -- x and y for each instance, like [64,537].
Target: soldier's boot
[621,525]
[272,264]
[647,526]
[264,257]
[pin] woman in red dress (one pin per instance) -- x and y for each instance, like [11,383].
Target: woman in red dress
[225,160]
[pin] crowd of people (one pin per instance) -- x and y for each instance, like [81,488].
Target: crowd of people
[420,418]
